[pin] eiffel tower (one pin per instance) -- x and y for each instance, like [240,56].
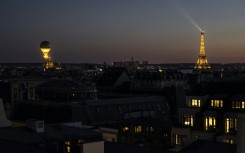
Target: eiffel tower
[202,61]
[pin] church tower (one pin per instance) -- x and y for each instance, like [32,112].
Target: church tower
[202,61]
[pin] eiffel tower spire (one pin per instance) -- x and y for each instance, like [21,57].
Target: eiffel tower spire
[202,61]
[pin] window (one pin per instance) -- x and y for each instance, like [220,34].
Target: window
[149,129]
[137,129]
[238,104]
[177,139]
[15,93]
[230,141]
[188,120]
[98,111]
[68,143]
[40,124]
[125,129]
[124,139]
[217,103]
[31,92]
[159,107]
[195,103]
[120,109]
[68,146]
[140,107]
[150,106]
[108,109]
[210,123]
[230,125]
[148,143]
[130,108]
[68,149]
[162,145]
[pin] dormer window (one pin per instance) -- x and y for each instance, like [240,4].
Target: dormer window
[209,122]
[238,104]
[195,103]
[188,120]
[217,103]
[137,129]
[230,125]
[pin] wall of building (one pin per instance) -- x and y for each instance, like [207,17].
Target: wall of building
[93,147]
[241,133]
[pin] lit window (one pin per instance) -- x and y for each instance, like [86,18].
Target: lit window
[149,129]
[230,141]
[226,141]
[137,129]
[217,103]
[230,125]
[125,129]
[195,103]
[210,123]
[238,104]
[68,149]
[188,120]
[235,124]
[177,139]
[68,143]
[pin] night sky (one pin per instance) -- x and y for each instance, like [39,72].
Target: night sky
[95,31]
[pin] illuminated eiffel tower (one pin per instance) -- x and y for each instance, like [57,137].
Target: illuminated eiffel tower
[202,61]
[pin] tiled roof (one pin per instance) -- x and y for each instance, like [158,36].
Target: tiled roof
[219,96]
[238,97]
[64,132]
[123,148]
[119,101]
[14,147]
[93,111]
[50,112]
[21,135]
[62,85]
[110,76]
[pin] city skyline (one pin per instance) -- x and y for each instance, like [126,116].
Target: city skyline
[95,31]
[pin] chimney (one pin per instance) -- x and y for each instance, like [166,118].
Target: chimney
[35,125]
